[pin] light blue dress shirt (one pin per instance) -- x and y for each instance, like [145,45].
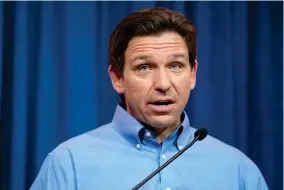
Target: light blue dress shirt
[119,155]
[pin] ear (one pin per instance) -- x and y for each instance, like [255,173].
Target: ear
[116,79]
[193,72]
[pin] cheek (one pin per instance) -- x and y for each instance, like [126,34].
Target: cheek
[184,89]
[183,86]
[136,89]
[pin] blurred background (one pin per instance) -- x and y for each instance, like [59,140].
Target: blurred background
[54,81]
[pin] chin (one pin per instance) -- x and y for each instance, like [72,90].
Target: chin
[162,121]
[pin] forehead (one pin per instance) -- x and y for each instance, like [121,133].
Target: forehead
[167,44]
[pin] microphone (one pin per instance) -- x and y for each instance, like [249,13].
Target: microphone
[199,135]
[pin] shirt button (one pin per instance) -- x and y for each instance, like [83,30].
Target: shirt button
[138,145]
[164,156]
[148,134]
[168,188]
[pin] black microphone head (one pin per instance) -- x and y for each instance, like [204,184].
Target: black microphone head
[200,134]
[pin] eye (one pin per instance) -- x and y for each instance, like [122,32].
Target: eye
[175,67]
[143,68]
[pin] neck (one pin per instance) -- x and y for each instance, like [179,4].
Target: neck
[162,134]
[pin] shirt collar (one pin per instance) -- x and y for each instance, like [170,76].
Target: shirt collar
[133,131]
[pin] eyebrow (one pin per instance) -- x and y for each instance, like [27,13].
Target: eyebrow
[140,57]
[147,57]
[176,56]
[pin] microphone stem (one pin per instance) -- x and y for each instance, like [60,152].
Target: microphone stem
[165,164]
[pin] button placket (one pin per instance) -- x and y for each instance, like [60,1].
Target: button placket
[165,154]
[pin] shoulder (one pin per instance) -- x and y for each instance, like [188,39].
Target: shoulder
[234,159]
[81,143]
[214,146]
[220,150]
[58,168]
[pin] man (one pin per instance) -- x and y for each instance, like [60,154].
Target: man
[152,57]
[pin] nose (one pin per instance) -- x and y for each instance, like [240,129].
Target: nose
[162,81]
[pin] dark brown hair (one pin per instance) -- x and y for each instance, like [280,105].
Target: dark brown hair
[150,22]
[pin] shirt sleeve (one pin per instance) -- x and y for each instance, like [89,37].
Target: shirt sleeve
[56,173]
[251,176]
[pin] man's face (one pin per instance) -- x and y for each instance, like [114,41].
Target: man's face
[157,79]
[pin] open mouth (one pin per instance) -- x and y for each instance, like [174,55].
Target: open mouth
[162,103]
